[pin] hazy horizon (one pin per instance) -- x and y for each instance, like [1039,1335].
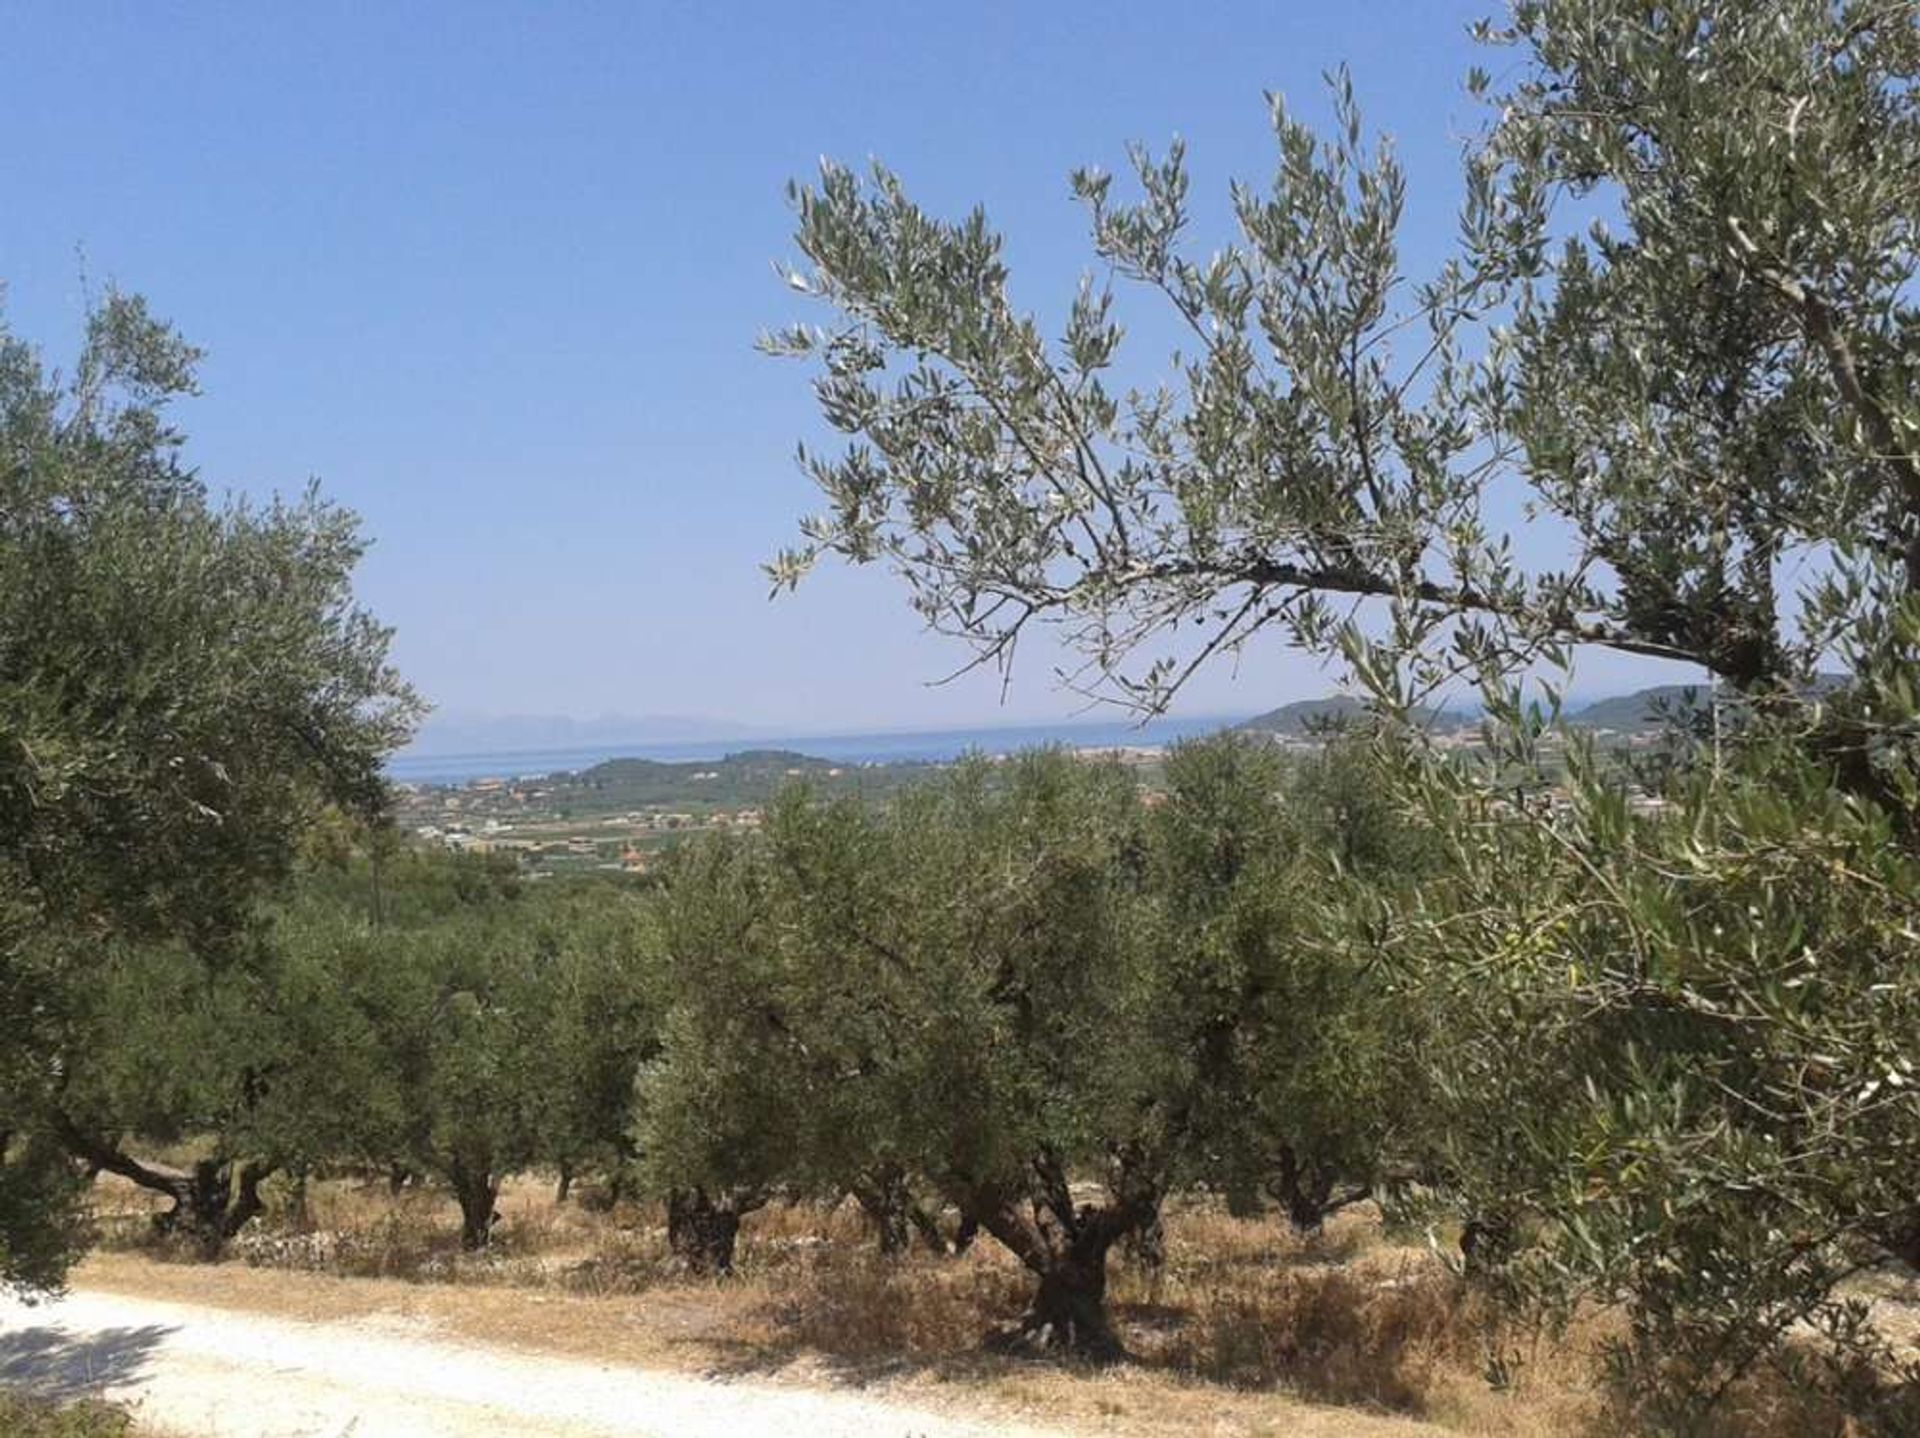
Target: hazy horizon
[498,733]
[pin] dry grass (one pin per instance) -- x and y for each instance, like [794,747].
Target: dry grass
[1245,1331]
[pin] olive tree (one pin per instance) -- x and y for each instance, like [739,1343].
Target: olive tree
[1268,866]
[1670,1067]
[772,1077]
[502,1024]
[184,684]
[719,1108]
[601,994]
[274,1070]
[949,992]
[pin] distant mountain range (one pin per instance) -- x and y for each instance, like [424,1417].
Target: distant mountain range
[486,734]
[1647,709]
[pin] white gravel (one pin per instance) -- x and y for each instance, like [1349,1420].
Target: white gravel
[212,1373]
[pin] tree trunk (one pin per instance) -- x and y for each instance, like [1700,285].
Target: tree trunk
[477,1190]
[247,1202]
[1069,1309]
[1146,1246]
[928,1227]
[888,1203]
[1066,1249]
[200,1199]
[212,1201]
[701,1231]
[1486,1241]
[1304,1191]
[565,1187]
[1135,1182]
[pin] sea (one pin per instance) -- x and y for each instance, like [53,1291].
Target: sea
[924,746]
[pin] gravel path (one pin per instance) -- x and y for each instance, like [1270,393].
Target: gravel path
[210,1373]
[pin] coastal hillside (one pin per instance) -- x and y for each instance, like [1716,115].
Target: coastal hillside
[1641,711]
[1306,717]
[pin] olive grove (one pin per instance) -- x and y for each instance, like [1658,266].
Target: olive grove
[1027,995]
[1670,1053]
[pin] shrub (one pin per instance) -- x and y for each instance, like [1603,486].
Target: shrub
[22,1415]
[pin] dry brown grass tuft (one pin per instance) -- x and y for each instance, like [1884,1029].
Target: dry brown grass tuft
[1345,1316]
[1327,1334]
[864,1309]
[404,1236]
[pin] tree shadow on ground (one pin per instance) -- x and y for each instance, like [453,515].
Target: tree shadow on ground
[54,1363]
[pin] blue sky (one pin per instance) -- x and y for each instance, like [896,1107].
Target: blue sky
[493,275]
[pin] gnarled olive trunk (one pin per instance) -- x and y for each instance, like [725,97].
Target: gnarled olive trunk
[212,1201]
[477,1191]
[1304,1189]
[1069,1309]
[702,1227]
[886,1199]
[1065,1247]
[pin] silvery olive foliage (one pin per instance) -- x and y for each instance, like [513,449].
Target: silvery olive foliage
[1668,1065]
[1679,325]
[1025,992]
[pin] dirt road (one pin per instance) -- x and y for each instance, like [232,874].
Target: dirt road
[215,1373]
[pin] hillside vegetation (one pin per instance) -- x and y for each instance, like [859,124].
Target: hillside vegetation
[1342,1070]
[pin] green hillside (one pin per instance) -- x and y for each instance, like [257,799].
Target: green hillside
[1645,710]
[1312,716]
[750,777]
[1642,710]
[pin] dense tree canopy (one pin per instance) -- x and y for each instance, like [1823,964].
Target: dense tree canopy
[1017,980]
[1632,1031]
[184,684]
